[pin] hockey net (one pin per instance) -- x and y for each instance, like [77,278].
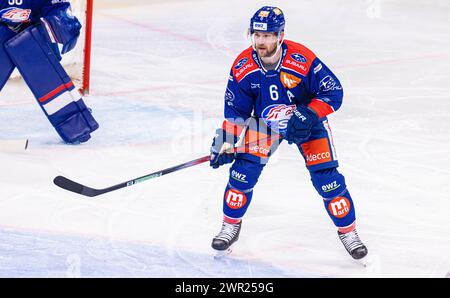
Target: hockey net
[77,62]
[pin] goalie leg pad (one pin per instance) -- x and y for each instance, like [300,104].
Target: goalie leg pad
[244,175]
[39,65]
[330,184]
[6,65]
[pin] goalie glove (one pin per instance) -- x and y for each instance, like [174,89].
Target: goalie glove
[63,27]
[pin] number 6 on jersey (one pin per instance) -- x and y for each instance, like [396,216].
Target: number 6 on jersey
[273,92]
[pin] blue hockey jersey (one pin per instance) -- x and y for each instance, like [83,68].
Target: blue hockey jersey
[300,78]
[20,14]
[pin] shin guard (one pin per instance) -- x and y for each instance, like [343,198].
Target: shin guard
[330,184]
[39,65]
[244,175]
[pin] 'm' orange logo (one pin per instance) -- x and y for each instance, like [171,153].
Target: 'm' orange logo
[339,207]
[235,199]
[317,152]
[289,81]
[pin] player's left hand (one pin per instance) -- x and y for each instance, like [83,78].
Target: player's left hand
[300,124]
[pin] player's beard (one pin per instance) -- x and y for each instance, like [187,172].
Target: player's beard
[264,51]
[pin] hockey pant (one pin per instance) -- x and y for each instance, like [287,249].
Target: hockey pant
[37,60]
[320,159]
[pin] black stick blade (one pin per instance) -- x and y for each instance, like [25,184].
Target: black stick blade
[75,187]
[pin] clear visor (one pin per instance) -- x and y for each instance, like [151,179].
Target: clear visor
[262,37]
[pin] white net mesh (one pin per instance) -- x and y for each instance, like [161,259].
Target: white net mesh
[74,60]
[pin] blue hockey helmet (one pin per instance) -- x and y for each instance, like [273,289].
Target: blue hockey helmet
[267,19]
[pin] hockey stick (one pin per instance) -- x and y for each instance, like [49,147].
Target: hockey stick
[13,145]
[81,189]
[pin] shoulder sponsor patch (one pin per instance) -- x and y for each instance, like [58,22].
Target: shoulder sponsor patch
[296,66]
[299,58]
[240,63]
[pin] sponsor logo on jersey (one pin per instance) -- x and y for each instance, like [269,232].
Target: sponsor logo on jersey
[15,15]
[339,207]
[317,151]
[243,69]
[299,58]
[328,83]
[297,66]
[260,26]
[235,199]
[240,63]
[277,116]
[289,81]
[229,95]
[330,186]
[238,176]
[254,86]
[261,151]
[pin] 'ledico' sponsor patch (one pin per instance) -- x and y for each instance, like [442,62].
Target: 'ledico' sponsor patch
[317,152]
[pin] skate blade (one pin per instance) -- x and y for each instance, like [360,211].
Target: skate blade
[371,263]
[220,254]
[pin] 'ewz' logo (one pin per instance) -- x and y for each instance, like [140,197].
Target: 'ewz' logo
[238,176]
[330,186]
[260,26]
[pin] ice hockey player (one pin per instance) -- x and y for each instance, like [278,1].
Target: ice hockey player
[30,31]
[280,88]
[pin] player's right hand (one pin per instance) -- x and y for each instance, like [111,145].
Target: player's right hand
[222,149]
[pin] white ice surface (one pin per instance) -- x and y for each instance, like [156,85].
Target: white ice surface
[158,77]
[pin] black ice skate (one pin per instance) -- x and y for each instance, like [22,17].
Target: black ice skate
[353,244]
[226,237]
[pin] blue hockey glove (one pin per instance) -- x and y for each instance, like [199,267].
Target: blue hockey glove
[299,126]
[65,27]
[222,148]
